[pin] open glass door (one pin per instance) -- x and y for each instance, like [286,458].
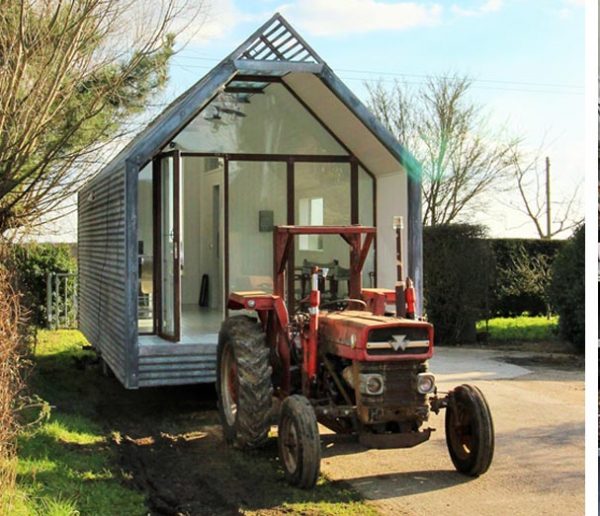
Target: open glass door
[167,169]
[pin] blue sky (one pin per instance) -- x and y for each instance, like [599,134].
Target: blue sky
[526,59]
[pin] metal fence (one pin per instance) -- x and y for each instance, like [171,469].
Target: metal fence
[61,300]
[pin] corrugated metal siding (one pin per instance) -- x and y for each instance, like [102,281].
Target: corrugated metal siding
[176,364]
[102,269]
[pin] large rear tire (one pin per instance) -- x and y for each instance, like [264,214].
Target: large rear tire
[298,442]
[244,388]
[469,431]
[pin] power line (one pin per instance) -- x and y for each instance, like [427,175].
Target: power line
[422,76]
[188,68]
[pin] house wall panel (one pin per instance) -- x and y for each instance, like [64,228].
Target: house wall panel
[102,269]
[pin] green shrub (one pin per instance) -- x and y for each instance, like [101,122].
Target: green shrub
[522,275]
[33,262]
[567,289]
[458,270]
[520,329]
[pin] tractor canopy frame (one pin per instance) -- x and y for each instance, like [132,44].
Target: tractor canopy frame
[271,308]
[283,237]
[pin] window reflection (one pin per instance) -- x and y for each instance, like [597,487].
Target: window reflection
[272,122]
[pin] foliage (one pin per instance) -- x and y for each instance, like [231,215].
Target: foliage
[447,134]
[522,275]
[520,329]
[13,342]
[33,263]
[567,289]
[457,270]
[69,80]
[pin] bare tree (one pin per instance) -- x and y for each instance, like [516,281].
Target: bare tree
[550,218]
[71,75]
[447,134]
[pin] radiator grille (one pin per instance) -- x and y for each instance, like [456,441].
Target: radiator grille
[398,341]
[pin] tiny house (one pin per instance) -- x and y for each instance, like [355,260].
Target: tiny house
[184,214]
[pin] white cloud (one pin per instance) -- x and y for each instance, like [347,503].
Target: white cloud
[342,17]
[489,6]
[204,21]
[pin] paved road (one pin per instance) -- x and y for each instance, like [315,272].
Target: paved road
[538,466]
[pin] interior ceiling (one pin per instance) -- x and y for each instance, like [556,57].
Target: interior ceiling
[343,123]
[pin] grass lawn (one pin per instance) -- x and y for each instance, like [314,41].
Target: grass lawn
[523,328]
[75,462]
[66,465]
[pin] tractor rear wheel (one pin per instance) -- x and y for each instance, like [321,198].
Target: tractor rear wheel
[469,431]
[298,442]
[244,388]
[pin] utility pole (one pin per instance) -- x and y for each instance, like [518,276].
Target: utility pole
[548,209]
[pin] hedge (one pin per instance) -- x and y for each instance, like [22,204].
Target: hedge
[567,289]
[468,277]
[458,269]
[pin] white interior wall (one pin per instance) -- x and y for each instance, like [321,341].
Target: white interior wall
[191,194]
[342,122]
[211,258]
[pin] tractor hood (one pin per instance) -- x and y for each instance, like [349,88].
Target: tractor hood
[361,335]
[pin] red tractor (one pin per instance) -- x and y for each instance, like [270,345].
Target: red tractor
[354,365]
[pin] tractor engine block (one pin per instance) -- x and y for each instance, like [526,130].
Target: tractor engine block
[400,402]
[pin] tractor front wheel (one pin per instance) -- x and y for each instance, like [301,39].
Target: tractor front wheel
[469,431]
[298,442]
[244,388]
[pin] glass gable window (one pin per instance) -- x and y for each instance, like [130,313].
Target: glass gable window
[271,121]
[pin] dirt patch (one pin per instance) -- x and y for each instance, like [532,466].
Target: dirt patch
[169,445]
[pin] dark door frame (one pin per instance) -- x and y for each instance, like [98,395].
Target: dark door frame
[158,244]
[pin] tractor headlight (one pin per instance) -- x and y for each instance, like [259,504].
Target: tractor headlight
[371,384]
[425,383]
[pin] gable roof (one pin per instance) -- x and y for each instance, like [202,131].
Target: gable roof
[276,49]
[276,40]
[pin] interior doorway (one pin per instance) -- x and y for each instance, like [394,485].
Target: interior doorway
[202,297]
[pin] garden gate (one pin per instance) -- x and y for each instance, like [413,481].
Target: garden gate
[61,300]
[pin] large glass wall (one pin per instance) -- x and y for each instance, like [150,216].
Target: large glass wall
[322,197]
[257,202]
[272,122]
